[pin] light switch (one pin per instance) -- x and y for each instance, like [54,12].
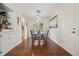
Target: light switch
[73,28]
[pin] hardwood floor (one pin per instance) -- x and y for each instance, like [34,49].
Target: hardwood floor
[25,49]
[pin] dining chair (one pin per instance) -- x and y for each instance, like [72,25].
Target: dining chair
[46,35]
[43,38]
[34,38]
[32,32]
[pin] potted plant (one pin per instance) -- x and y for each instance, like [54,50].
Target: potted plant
[3,20]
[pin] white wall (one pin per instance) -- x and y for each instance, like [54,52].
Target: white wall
[67,18]
[15,26]
[77,28]
[13,37]
[0,44]
[53,33]
[30,21]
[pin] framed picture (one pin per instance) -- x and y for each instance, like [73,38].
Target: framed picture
[18,20]
[54,22]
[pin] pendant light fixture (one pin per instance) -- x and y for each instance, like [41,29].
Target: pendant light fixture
[38,17]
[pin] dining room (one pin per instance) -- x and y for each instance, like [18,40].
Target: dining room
[40,29]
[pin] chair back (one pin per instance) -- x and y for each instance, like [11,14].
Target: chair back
[47,34]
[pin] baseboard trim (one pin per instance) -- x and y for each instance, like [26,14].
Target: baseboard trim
[61,46]
[12,47]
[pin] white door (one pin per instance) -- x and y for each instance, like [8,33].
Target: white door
[77,30]
[69,29]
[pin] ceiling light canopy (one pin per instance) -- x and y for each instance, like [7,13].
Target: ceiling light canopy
[38,17]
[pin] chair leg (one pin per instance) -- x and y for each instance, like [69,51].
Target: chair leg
[32,43]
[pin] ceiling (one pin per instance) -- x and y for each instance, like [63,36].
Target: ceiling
[29,9]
